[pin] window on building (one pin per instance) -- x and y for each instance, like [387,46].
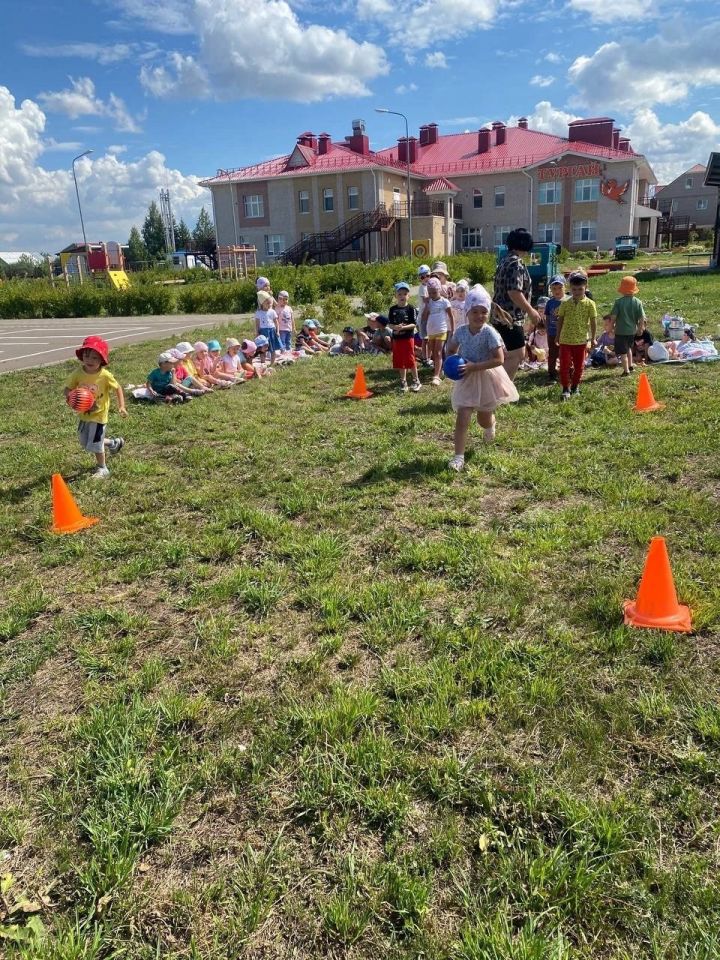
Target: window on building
[501,235]
[471,238]
[499,196]
[274,244]
[328,200]
[550,191]
[353,201]
[688,183]
[585,231]
[586,190]
[304,201]
[548,232]
[254,206]
[477,199]
[702,204]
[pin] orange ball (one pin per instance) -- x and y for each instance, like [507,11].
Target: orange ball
[81,399]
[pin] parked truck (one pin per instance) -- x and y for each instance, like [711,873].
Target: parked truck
[626,247]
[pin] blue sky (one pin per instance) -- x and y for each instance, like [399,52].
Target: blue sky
[166,92]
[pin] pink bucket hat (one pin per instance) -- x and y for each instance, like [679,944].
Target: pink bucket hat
[199,346]
[434,284]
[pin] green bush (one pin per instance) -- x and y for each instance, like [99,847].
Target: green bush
[376,301]
[336,310]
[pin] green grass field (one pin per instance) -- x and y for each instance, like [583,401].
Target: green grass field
[302,693]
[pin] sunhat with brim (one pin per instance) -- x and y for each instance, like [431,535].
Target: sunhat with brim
[477,298]
[402,286]
[200,346]
[184,347]
[167,357]
[440,267]
[177,354]
[462,285]
[628,286]
[310,324]
[262,282]
[284,294]
[264,296]
[261,341]
[231,342]
[248,347]
[97,344]
[213,345]
[558,278]
[434,284]
[423,270]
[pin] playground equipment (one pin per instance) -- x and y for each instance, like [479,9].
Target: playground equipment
[237,261]
[542,267]
[98,262]
[626,247]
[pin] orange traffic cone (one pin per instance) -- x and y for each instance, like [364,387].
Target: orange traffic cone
[359,388]
[657,605]
[645,400]
[66,516]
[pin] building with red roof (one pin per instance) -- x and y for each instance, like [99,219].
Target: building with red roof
[331,200]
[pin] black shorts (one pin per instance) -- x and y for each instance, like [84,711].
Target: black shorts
[513,337]
[623,344]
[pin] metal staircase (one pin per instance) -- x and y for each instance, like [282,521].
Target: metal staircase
[324,247]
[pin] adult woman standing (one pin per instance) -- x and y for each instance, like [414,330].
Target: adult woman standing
[512,291]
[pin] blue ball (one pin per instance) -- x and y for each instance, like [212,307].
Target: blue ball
[452,366]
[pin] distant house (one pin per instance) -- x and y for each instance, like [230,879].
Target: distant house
[688,196]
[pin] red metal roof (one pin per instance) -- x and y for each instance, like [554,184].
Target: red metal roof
[452,154]
[441,185]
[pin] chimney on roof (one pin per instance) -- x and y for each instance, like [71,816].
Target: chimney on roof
[402,149]
[500,132]
[433,133]
[624,144]
[484,135]
[597,130]
[307,139]
[359,141]
[523,123]
[424,135]
[616,138]
[323,143]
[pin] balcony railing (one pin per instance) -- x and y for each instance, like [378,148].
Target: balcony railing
[424,208]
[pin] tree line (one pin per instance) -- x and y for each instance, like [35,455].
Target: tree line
[148,243]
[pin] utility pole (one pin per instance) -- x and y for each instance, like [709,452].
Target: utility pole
[167,219]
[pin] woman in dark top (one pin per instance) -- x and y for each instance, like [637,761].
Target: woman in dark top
[512,292]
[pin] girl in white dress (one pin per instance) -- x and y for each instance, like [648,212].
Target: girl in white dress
[484,384]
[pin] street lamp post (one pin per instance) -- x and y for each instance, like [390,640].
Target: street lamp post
[77,194]
[396,113]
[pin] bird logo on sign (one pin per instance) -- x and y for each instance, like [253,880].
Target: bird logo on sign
[613,190]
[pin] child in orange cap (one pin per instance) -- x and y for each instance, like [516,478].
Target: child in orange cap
[94,376]
[627,315]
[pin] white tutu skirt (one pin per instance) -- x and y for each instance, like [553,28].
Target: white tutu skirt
[484,390]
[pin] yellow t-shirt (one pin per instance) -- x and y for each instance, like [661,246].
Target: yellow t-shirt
[100,383]
[190,367]
[576,317]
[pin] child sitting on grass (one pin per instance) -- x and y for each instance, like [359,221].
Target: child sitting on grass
[262,359]
[206,367]
[186,371]
[94,376]
[604,352]
[215,354]
[353,342]
[537,345]
[161,383]
[232,362]
[641,341]
[484,385]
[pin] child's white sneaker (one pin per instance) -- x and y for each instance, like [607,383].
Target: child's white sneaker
[436,381]
[404,388]
[116,445]
[102,473]
[457,463]
[415,387]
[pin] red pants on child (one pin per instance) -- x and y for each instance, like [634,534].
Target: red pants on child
[571,354]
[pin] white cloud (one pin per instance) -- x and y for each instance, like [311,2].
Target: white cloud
[422,21]
[259,49]
[612,11]
[540,81]
[52,144]
[158,15]
[116,148]
[406,88]
[547,119]
[553,57]
[661,69]
[102,53]
[79,100]
[436,60]
[38,206]
[672,148]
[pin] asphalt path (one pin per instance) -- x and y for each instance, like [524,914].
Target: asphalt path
[39,343]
